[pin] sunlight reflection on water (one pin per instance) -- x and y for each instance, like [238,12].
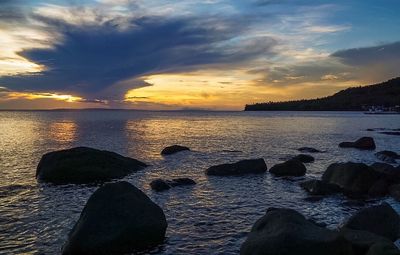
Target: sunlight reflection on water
[212,217]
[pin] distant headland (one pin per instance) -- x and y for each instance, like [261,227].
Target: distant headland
[384,96]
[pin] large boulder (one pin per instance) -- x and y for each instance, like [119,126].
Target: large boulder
[361,241]
[289,168]
[117,219]
[383,248]
[248,166]
[389,172]
[304,158]
[173,149]
[364,143]
[320,188]
[381,220]
[387,156]
[84,165]
[394,191]
[354,178]
[287,232]
[161,184]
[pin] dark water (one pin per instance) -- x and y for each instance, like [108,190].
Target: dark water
[211,218]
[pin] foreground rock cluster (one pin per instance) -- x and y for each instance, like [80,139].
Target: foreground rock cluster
[119,218]
[284,231]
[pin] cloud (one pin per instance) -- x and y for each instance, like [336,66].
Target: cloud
[89,59]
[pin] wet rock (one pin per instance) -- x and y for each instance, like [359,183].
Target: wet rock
[248,166]
[361,241]
[379,189]
[387,156]
[308,149]
[287,232]
[315,198]
[304,158]
[389,172]
[320,188]
[354,178]
[364,143]
[383,248]
[394,191]
[173,149]
[380,220]
[117,219]
[84,165]
[161,185]
[390,133]
[289,168]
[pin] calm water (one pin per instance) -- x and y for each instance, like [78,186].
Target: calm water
[212,217]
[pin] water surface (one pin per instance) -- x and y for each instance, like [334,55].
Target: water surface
[212,217]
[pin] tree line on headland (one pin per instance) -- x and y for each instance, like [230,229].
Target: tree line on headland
[385,94]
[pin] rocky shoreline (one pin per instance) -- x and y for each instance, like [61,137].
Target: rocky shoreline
[119,218]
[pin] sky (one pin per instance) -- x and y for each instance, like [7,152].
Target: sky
[205,55]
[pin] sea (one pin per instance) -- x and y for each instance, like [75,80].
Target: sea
[211,217]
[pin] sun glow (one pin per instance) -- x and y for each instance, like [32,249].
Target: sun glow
[33,96]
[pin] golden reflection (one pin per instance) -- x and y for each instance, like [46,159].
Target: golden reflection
[63,132]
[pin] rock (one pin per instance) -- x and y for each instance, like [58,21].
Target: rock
[84,165]
[381,220]
[361,241]
[379,189]
[387,156]
[289,168]
[304,158]
[313,199]
[308,149]
[364,143]
[320,188]
[173,149]
[287,232]
[248,166]
[383,248]
[390,133]
[354,178]
[117,219]
[161,185]
[389,172]
[394,191]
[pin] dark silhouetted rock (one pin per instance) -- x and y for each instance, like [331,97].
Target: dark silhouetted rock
[381,220]
[289,168]
[249,166]
[320,188]
[287,232]
[394,191]
[380,188]
[364,143]
[84,165]
[308,149]
[117,219]
[354,178]
[390,133]
[387,156]
[389,172]
[304,158]
[383,248]
[173,149]
[161,185]
[361,241]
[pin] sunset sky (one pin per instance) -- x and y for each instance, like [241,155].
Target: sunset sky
[210,54]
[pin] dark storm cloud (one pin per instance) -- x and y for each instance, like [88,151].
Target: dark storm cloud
[370,55]
[91,58]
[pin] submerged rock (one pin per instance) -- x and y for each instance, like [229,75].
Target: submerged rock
[380,220]
[161,185]
[289,168]
[387,156]
[248,166]
[354,178]
[364,143]
[173,149]
[287,232]
[320,188]
[383,248]
[390,133]
[84,165]
[304,158]
[308,149]
[117,219]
